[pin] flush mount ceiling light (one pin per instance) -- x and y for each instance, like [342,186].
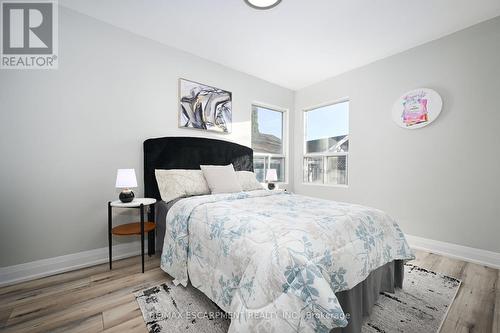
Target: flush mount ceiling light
[262,4]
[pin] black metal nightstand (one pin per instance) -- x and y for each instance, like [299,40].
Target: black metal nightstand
[135,228]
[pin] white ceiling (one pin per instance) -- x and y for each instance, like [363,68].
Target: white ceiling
[297,43]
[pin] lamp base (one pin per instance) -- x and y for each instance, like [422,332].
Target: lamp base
[271,186]
[126,196]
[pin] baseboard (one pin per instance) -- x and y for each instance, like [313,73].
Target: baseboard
[51,266]
[465,253]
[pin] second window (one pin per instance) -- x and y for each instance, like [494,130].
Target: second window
[326,144]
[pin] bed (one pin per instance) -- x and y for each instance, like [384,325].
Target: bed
[274,261]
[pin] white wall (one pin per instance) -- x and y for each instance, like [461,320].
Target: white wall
[65,132]
[441,182]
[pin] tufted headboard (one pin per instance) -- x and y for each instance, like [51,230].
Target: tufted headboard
[190,153]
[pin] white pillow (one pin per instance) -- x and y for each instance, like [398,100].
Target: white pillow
[178,183]
[248,181]
[221,178]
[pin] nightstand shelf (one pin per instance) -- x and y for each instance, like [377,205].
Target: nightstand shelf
[132,228]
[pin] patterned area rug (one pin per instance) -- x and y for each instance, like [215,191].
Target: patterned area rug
[420,306]
[169,308]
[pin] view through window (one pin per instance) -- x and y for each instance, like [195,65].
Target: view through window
[268,142]
[327,144]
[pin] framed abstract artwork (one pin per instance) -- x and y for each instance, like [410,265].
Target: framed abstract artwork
[204,107]
[417,108]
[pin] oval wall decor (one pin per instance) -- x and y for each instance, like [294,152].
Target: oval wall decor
[417,108]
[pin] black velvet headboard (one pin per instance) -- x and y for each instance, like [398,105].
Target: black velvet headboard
[190,153]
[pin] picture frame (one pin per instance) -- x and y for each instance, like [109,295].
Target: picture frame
[204,107]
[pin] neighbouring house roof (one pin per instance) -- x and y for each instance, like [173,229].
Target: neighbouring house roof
[266,143]
[333,144]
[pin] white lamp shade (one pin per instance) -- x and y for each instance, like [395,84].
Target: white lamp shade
[125,178]
[271,175]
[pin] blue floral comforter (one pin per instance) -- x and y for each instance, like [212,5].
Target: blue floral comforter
[274,261]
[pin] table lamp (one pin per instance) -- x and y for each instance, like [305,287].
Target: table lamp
[271,177]
[125,179]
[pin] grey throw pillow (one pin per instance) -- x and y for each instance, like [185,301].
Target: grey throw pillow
[221,178]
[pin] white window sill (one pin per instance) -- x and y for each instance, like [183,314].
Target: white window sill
[326,185]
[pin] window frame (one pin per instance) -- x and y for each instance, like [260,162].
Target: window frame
[325,155]
[285,133]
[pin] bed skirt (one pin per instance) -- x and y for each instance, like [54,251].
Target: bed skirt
[358,301]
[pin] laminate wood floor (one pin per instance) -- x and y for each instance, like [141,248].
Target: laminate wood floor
[95,299]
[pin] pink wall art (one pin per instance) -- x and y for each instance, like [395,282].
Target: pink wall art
[417,108]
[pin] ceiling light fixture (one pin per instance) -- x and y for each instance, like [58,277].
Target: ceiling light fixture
[262,4]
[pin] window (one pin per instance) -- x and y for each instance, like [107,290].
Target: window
[268,142]
[326,144]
